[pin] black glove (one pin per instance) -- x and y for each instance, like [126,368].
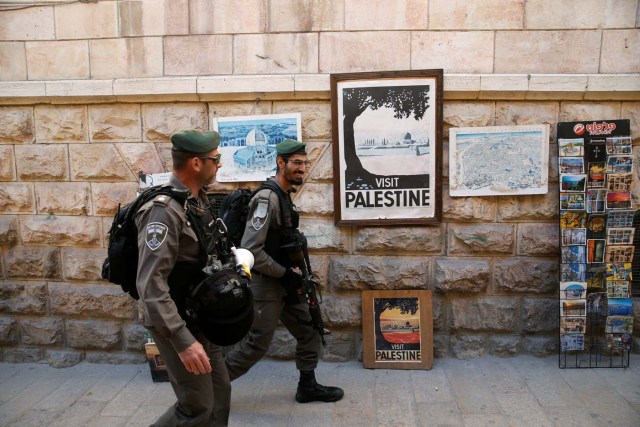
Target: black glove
[292,284]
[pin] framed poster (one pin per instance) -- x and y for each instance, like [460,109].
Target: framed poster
[248,144]
[506,161]
[387,147]
[397,329]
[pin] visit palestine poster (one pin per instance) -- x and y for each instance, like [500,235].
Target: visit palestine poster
[397,329]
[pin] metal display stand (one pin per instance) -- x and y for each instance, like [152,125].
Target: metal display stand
[598,240]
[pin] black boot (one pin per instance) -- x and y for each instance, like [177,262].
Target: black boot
[310,391]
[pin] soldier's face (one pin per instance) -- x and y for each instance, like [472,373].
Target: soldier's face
[294,169]
[209,167]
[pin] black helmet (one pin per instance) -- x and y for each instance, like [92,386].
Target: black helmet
[222,306]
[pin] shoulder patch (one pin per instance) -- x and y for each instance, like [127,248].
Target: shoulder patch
[260,214]
[161,199]
[156,235]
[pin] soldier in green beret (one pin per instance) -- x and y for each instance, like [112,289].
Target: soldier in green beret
[273,222]
[170,257]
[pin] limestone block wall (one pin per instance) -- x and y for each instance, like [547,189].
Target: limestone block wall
[90,92]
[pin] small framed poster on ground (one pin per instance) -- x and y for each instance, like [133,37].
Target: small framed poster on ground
[397,329]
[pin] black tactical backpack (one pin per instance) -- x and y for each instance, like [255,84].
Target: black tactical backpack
[234,209]
[121,265]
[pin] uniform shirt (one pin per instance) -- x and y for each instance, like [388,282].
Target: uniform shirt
[264,215]
[165,236]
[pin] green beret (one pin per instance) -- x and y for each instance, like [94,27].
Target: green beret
[195,141]
[291,146]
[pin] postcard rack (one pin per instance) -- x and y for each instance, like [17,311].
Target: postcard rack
[598,238]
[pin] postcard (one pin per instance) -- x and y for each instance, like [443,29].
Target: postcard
[620,219]
[597,304]
[572,201]
[596,151]
[570,147]
[571,342]
[619,325]
[573,290]
[620,307]
[617,289]
[617,342]
[619,271]
[596,173]
[573,325]
[573,272]
[595,226]
[596,276]
[572,165]
[572,219]
[595,251]
[596,200]
[619,145]
[573,183]
[618,200]
[574,307]
[619,181]
[574,253]
[618,254]
[620,236]
[573,236]
[620,164]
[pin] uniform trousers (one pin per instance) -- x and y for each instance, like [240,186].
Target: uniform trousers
[268,309]
[203,400]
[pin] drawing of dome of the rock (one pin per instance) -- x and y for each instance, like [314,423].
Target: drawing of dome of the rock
[257,154]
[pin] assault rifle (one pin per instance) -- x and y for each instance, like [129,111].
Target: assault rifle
[299,256]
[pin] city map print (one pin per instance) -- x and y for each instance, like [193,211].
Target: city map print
[498,160]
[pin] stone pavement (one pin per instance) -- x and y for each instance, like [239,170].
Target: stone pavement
[519,391]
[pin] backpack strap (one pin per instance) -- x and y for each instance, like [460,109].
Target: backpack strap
[285,201]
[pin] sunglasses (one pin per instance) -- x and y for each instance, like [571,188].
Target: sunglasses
[214,159]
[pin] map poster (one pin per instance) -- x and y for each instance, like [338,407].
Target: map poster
[387,151]
[397,329]
[501,160]
[248,144]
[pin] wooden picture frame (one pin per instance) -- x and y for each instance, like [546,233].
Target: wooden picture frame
[397,329]
[387,147]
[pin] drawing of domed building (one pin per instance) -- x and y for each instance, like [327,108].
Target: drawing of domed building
[257,154]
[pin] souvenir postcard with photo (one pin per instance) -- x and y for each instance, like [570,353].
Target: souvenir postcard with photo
[617,289]
[595,251]
[571,342]
[575,253]
[573,272]
[573,325]
[573,183]
[574,307]
[570,147]
[618,200]
[573,165]
[619,271]
[573,290]
[596,276]
[620,164]
[620,219]
[619,145]
[597,304]
[618,254]
[573,236]
[618,342]
[596,173]
[573,219]
[595,226]
[619,325]
[620,307]
[619,181]
[620,236]
[596,200]
[572,201]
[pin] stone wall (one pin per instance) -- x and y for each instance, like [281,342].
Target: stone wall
[90,92]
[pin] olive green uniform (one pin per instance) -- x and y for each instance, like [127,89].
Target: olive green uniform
[265,217]
[166,237]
